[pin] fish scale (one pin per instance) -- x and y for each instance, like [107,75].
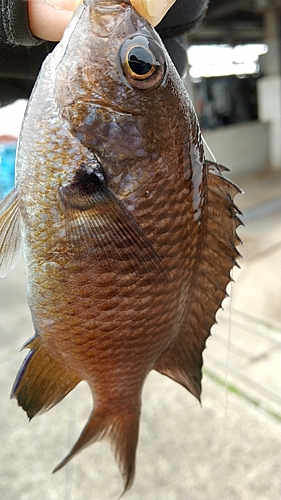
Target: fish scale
[129,233]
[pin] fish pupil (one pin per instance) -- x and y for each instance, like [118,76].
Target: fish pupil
[140,61]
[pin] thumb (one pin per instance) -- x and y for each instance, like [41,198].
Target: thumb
[152,10]
[49,18]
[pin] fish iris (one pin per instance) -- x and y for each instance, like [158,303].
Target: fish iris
[140,62]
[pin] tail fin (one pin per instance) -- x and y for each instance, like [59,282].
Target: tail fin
[122,431]
[41,381]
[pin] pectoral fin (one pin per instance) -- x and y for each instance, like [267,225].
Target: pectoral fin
[97,223]
[10,233]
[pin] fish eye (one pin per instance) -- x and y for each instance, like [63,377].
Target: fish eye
[142,63]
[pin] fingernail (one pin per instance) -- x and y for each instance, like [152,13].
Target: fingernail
[70,5]
[157,9]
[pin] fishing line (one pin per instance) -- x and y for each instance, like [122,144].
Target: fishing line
[228,341]
[226,378]
[71,430]
[206,145]
[209,149]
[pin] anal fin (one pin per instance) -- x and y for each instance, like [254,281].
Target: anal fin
[41,381]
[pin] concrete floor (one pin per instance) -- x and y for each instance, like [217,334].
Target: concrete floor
[227,450]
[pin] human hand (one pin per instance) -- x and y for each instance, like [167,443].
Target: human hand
[49,18]
[152,10]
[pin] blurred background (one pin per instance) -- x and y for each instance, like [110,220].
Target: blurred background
[234,80]
[230,448]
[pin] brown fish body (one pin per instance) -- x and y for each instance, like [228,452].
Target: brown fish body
[129,234]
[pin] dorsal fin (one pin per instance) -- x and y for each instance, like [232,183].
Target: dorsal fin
[217,254]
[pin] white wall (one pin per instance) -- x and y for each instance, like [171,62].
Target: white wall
[11,117]
[241,147]
[269,106]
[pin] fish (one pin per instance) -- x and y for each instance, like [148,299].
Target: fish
[129,232]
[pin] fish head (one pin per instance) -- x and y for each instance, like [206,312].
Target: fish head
[118,90]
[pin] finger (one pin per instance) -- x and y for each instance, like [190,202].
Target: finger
[49,18]
[152,10]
